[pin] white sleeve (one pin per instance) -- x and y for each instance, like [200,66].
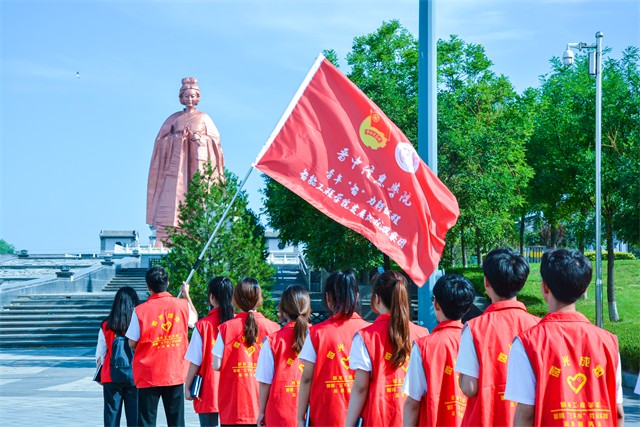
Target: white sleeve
[308,353]
[133,332]
[265,368]
[194,352]
[359,356]
[218,347]
[193,318]
[521,381]
[619,398]
[415,382]
[101,348]
[637,390]
[467,362]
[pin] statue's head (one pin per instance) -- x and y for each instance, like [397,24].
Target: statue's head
[189,83]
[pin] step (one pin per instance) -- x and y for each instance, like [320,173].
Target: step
[85,328]
[31,342]
[40,317]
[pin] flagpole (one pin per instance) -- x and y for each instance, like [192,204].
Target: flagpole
[427,128]
[215,231]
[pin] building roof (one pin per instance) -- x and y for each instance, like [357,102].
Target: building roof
[119,233]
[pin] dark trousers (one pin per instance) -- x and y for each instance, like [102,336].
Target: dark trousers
[172,400]
[115,395]
[209,419]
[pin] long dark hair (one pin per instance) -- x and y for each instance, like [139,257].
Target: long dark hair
[393,290]
[121,310]
[247,296]
[296,305]
[222,290]
[342,286]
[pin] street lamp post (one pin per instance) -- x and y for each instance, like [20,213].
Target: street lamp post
[595,68]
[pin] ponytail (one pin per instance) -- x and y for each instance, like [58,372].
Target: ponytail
[250,329]
[399,324]
[392,288]
[248,297]
[296,305]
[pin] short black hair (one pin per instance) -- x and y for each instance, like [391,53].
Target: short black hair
[342,285]
[157,279]
[455,294]
[506,271]
[567,273]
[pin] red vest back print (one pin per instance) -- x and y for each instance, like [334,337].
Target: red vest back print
[238,402]
[385,402]
[282,406]
[332,378]
[159,356]
[493,332]
[575,366]
[444,404]
[208,330]
[109,336]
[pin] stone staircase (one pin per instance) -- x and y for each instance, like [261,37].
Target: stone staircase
[60,320]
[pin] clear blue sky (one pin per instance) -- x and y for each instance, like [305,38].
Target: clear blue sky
[75,152]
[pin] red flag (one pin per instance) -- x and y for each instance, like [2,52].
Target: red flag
[337,150]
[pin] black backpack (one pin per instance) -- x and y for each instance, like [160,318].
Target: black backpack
[121,360]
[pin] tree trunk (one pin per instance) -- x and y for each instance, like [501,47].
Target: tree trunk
[522,227]
[386,262]
[478,248]
[611,290]
[463,248]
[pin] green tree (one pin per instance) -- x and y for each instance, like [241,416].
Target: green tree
[562,153]
[6,248]
[238,250]
[483,126]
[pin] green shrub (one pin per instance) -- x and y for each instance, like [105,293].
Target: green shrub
[616,255]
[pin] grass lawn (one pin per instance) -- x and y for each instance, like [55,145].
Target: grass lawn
[627,284]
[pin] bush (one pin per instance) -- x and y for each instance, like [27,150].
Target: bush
[475,276]
[616,255]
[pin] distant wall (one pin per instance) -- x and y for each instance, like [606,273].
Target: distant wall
[91,279]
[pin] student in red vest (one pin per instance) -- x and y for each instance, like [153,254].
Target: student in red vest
[115,394]
[327,379]
[199,351]
[565,371]
[486,340]
[279,369]
[380,354]
[235,355]
[158,333]
[434,397]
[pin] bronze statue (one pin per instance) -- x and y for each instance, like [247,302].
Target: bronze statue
[186,141]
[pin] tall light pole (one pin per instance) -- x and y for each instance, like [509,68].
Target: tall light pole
[595,68]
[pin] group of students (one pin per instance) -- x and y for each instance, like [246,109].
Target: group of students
[504,367]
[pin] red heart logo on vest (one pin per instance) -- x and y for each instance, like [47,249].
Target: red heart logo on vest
[345,362]
[166,326]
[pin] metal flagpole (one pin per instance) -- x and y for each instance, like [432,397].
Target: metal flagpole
[215,231]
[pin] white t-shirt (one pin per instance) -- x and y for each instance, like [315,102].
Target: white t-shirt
[359,355]
[194,352]
[101,348]
[266,364]
[308,353]
[467,361]
[133,332]
[521,381]
[637,390]
[218,347]
[415,382]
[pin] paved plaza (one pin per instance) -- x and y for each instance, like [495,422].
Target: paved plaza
[53,387]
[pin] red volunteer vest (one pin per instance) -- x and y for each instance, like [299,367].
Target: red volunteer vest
[208,330]
[493,333]
[159,357]
[575,366]
[109,336]
[444,404]
[385,401]
[238,397]
[332,378]
[282,406]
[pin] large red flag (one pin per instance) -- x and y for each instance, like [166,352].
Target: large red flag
[337,150]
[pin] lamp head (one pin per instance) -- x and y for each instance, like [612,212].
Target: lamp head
[567,57]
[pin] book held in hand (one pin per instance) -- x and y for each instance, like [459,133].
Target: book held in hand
[196,385]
